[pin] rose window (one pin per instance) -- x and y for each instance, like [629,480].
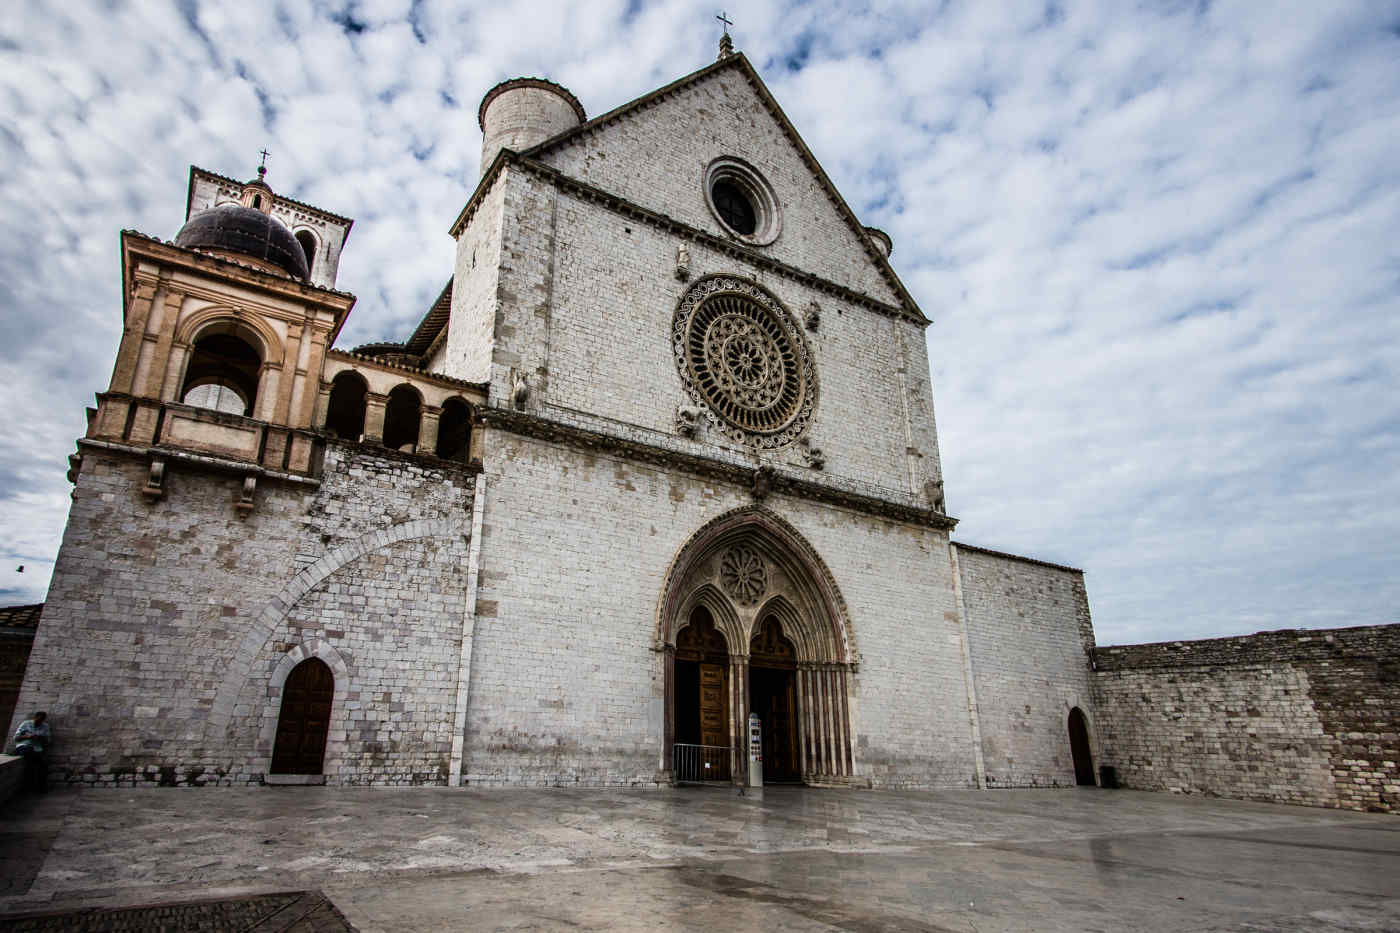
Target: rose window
[744,359]
[743,575]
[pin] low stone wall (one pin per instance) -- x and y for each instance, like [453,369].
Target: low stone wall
[11,776]
[1307,717]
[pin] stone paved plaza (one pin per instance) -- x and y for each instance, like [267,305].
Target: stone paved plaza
[799,859]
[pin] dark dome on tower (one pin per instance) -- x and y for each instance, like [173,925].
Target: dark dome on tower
[246,231]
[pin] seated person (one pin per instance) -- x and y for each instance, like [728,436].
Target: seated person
[32,743]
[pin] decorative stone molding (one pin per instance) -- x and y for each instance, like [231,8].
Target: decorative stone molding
[519,388]
[743,575]
[683,263]
[530,425]
[820,629]
[687,420]
[813,318]
[933,492]
[155,480]
[245,499]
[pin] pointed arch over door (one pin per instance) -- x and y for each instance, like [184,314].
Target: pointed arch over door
[774,602]
[304,720]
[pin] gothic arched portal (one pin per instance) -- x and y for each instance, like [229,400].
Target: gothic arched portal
[753,580]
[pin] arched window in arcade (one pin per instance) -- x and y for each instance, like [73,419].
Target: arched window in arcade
[222,373]
[308,246]
[304,719]
[454,430]
[702,749]
[402,417]
[345,417]
[1079,749]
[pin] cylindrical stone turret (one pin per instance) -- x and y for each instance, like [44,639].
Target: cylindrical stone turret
[523,112]
[881,239]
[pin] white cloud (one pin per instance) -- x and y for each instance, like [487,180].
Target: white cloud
[1158,242]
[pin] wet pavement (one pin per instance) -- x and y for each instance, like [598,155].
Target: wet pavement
[703,859]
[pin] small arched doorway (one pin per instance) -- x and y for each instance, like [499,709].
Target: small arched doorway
[702,700]
[304,719]
[1079,748]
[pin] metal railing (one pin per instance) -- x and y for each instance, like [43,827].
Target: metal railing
[698,763]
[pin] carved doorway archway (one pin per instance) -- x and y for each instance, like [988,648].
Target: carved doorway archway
[702,700]
[1079,749]
[304,720]
[753,579]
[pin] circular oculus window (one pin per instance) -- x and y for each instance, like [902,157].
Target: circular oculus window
[742,201]
[742,357]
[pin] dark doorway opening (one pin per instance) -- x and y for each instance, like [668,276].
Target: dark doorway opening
[703,747]
[304,720]
[1079,748]
[773,696]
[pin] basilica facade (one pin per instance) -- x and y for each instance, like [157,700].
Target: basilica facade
[661,455]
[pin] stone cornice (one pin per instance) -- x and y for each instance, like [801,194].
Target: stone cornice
[136,246]
[719,244]
[1016,557]
[300,205]
[764,479]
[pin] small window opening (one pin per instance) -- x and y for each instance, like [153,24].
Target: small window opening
[222,374]
[454,430]
[401,419]
[257,201]
[345,418]
[734,207]
[308,246]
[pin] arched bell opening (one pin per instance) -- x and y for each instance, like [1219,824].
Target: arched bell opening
[223,372]
[763,588]
[1079,749]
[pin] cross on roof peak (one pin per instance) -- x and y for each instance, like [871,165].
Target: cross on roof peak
[726,44]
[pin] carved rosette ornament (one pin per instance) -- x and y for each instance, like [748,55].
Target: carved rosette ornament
[744,359]
[743,575]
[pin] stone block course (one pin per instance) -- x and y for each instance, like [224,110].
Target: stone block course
[1307,716]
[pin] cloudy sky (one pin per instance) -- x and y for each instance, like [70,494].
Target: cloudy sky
[1160,242]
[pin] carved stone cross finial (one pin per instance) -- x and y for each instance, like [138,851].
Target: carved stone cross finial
[726,44]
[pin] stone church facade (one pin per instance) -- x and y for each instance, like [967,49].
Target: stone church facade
[661,455]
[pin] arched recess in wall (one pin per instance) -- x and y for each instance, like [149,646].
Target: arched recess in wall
[744,567]
[345,415]
[403,418]
[237,670]
[454,430]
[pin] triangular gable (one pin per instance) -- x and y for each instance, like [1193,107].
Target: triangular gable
[620,154]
